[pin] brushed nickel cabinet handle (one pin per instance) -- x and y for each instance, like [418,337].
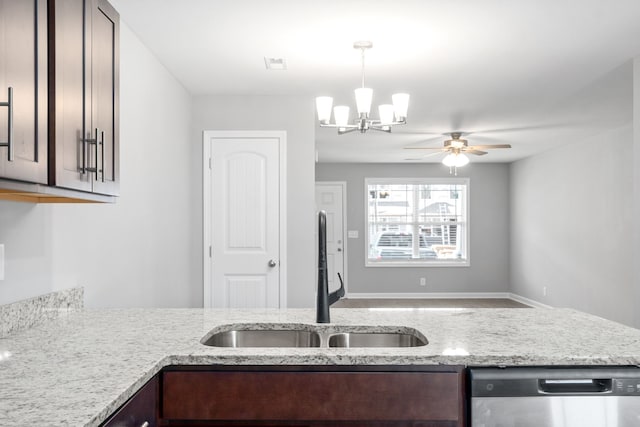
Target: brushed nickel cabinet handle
[102,148]
[9,143]
[97,168]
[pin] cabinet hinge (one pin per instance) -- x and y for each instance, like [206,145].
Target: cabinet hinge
[210,252]
[209,162]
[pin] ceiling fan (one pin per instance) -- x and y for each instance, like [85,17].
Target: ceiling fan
[457,147]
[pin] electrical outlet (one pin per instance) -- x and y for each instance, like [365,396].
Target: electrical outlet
[423,281]
[544,291]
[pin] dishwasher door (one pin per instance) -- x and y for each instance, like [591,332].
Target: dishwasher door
[555,397]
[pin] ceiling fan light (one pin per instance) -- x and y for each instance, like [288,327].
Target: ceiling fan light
[386,113]
[400,105]
[455,160]
[323,107]
[462,160]
[364,95]
[449,160]
[341,114]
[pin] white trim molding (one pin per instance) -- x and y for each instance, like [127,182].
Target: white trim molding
[450,295]
[528,301]
[430,295]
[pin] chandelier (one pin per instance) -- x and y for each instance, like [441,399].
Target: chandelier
[390,115]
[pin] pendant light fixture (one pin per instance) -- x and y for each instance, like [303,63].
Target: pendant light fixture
[455,160]
[390,115]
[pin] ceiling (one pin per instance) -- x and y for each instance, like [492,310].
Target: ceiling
[534,74]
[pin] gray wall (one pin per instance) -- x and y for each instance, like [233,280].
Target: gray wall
[571,229]
[138,251]
[295,115]
[636,185]
[489,230]
[573,210]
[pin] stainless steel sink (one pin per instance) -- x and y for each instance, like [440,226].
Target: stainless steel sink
[336,336]
[263,338]
[375,339]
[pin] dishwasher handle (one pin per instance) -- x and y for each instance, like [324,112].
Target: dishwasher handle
[575,386]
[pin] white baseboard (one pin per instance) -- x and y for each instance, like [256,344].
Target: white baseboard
[528,301]
[449,295]
[429,295]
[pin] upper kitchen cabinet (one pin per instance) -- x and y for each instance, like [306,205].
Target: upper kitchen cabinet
[23,90]
[84,49]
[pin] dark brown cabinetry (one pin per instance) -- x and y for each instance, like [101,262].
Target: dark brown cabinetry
[59,102]
[23,68]
[141,410]
[84,45]
[313,396]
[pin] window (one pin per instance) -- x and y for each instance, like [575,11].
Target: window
[417,221]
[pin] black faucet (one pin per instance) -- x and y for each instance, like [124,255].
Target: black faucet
[324,298]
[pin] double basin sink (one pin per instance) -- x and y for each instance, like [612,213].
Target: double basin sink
[276,335]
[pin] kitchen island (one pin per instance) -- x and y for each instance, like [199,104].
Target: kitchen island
[78,369]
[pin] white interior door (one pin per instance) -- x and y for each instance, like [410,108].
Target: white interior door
[330,198]
[245,220]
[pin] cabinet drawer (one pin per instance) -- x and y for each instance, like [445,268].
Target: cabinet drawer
[311,396]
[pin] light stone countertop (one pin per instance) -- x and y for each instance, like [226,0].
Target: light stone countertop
[78,369]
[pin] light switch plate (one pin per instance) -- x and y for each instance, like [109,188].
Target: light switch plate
[352,234]
[1,262]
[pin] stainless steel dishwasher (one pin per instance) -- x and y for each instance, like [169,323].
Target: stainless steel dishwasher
[555,397]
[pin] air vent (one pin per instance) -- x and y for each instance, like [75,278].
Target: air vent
[275,63]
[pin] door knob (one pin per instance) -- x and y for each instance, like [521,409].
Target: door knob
[339,249]
[272,263]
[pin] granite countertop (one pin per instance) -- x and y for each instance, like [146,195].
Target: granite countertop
[79,368]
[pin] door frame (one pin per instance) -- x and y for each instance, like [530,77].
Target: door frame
[207,226]
[345,251]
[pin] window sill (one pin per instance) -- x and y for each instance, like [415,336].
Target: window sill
[438,263]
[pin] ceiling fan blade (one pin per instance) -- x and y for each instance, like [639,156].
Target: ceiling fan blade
[489,147]
[433,154]
[423,156]
[425,148]
[476,152]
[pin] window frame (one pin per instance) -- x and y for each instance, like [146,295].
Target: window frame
[419,262]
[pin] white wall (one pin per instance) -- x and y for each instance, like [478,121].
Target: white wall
[572,209]
[295,115]
[138,251]
[489,230]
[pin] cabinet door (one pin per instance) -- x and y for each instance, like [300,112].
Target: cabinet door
[71,107]
[23,67]
[315,398]
[86,143]
[140,410]
[104,94]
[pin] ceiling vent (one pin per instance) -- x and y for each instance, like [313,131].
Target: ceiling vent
[275,63]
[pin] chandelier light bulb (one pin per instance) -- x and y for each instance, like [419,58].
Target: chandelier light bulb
[341,114]
[323,106]
[386,113]
[364,95]
[400,105]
